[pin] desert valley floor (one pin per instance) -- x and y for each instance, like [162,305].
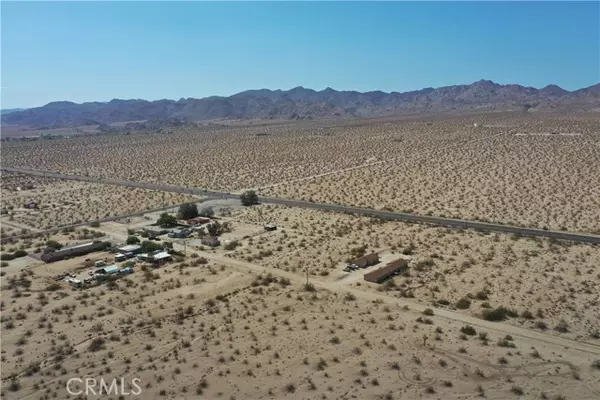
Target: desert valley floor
[273,314]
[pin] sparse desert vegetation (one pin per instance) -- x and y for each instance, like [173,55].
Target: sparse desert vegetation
[61,202]
[528,282]
[192,331]
[271,313]
[533,170]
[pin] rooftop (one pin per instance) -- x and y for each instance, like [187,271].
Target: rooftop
[129,247]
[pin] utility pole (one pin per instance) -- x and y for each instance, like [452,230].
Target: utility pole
[306,276]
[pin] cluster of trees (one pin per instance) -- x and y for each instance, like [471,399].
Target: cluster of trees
[133,240]
[217,228]
[186,211]
[166,220]
[149,246]
[249,198]
[12,256]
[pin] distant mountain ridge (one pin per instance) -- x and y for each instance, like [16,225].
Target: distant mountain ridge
[10,110]
[302,103]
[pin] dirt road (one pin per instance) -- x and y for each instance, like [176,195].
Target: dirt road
[336,287]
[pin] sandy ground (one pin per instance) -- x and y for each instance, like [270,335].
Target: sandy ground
[242,323]
[221,330]
[554,281]
[442,166]
[67,202]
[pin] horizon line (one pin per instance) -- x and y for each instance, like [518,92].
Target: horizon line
[287,90]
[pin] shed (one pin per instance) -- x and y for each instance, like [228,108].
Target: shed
[110,269]
[130,248]
[366,260]
[210,241]
[161,257]
[383,273]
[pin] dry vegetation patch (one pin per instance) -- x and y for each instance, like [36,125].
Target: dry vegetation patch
[258,337]
[545,282]
[62,202]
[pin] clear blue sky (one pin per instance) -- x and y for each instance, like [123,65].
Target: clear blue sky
[98,51]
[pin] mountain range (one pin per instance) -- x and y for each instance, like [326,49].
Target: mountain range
[302,103]
[10,110]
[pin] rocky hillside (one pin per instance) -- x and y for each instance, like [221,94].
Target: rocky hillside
[301,103]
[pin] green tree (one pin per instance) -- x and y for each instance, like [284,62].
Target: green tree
[54,244]
[166,220]
[249,198]
[207,212]
[217,229]
[188,211]
[133,240]
[149,247]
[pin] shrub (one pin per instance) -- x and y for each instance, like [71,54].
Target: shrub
[428,311]
[527,314]
[290,388]
[7,257]
[96,345]
[309,287]
[517,390]
[562,326]
[541,325]
[468,330]
[95,224]
[53,287]
[498,314]
[54,244]
[249,198]
[482,295]
[463,303]
[231,245]
[133,240]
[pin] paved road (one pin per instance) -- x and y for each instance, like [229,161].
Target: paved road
[438,221]
[36,232]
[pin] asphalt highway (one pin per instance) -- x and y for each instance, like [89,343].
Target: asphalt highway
[422,219]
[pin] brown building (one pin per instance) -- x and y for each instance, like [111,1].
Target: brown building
[383,273]
[198,221]
[366,260]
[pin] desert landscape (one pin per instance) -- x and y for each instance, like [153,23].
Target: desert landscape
[275,313]
[534,170]
[202,328]
[300,200]
[60,202]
